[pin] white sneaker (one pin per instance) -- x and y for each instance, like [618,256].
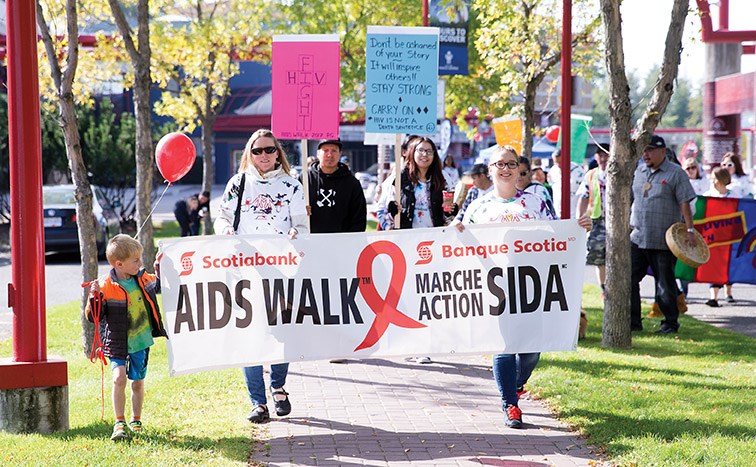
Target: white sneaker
[423,360]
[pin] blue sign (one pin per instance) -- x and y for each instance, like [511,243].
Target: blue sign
[401,80]
[452,19]
[452,60]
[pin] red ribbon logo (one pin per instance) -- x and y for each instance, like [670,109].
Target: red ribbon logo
[384,308]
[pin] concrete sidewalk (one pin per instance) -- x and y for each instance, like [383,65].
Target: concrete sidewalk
[380,412]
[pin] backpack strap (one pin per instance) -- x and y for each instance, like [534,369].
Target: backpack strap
[239,202]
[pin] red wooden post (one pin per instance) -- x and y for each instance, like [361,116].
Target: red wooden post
[425,13]
[566,105]
[26,294]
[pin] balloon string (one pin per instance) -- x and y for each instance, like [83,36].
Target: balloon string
[154,206]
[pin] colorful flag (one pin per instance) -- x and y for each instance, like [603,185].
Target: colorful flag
[729,227]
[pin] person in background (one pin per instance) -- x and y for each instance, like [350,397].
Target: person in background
[506,203]
[271,202]
[525,183]
[186,212]
[661,195]
[481,185]
[699,183]
[450,171]
[739,186]
[720,181]
[555,179]
[592,201]
[202,209]
[388,183]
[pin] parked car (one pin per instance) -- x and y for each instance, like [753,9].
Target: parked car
[59,217]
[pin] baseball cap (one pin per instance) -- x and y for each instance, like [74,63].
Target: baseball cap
[656,142]
[477,169]
[336,142]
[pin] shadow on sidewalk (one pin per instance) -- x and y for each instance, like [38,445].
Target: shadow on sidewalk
[365,443]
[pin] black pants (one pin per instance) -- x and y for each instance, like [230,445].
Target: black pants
[662,263]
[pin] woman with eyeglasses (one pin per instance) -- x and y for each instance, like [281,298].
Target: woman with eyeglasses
[422,187]
[740,185]
[505,204]
[263,199]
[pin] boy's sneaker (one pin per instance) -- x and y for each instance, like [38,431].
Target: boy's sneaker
[730,299]
[136,426]
[119,431]
[514,416]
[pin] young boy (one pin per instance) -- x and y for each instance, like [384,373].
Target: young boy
[129,318]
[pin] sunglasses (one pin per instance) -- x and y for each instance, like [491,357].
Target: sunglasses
[690,168]
[267,149]
[728,164]
[511,165]
[523,174]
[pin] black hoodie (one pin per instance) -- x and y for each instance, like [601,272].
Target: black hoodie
[337,201]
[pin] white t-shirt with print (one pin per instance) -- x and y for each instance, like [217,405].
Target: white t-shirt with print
[491,209]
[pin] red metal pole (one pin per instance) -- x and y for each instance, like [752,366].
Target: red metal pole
[425,13]
[26,294]
[566,105]
[724,15]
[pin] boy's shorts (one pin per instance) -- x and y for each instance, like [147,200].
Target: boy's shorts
[135,363]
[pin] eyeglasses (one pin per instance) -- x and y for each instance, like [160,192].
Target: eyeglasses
[423,152]
[727,164]
[267,149]
[511,165]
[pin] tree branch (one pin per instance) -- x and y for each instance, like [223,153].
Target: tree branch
[664,86]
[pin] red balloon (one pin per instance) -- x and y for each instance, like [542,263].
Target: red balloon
[552,133]
[175,155]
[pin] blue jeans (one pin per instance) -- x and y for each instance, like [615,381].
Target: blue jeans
[662,263]
[512,371]
[253,376]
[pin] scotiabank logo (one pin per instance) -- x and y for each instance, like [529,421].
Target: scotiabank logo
[424,252]
[186,263]
[239,260]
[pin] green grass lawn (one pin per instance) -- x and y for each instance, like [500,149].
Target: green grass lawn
[671,400]
[685,399]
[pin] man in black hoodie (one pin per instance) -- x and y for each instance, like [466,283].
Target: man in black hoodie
[337,202]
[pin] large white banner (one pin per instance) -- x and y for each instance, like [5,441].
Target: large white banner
[244,300]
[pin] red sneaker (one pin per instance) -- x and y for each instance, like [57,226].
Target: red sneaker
[514,416]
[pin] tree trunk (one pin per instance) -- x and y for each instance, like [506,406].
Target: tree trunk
[140,59]
[68,121]
[623,158]
[144,161]
[208,163]
[528,120]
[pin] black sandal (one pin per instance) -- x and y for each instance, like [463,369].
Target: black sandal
[259,414]
[283,407]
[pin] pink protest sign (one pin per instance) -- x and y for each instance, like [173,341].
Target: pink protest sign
[306,73]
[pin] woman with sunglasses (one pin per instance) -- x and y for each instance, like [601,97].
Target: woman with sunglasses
[699,183]
[271,202]
[505,204]
[740,185]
